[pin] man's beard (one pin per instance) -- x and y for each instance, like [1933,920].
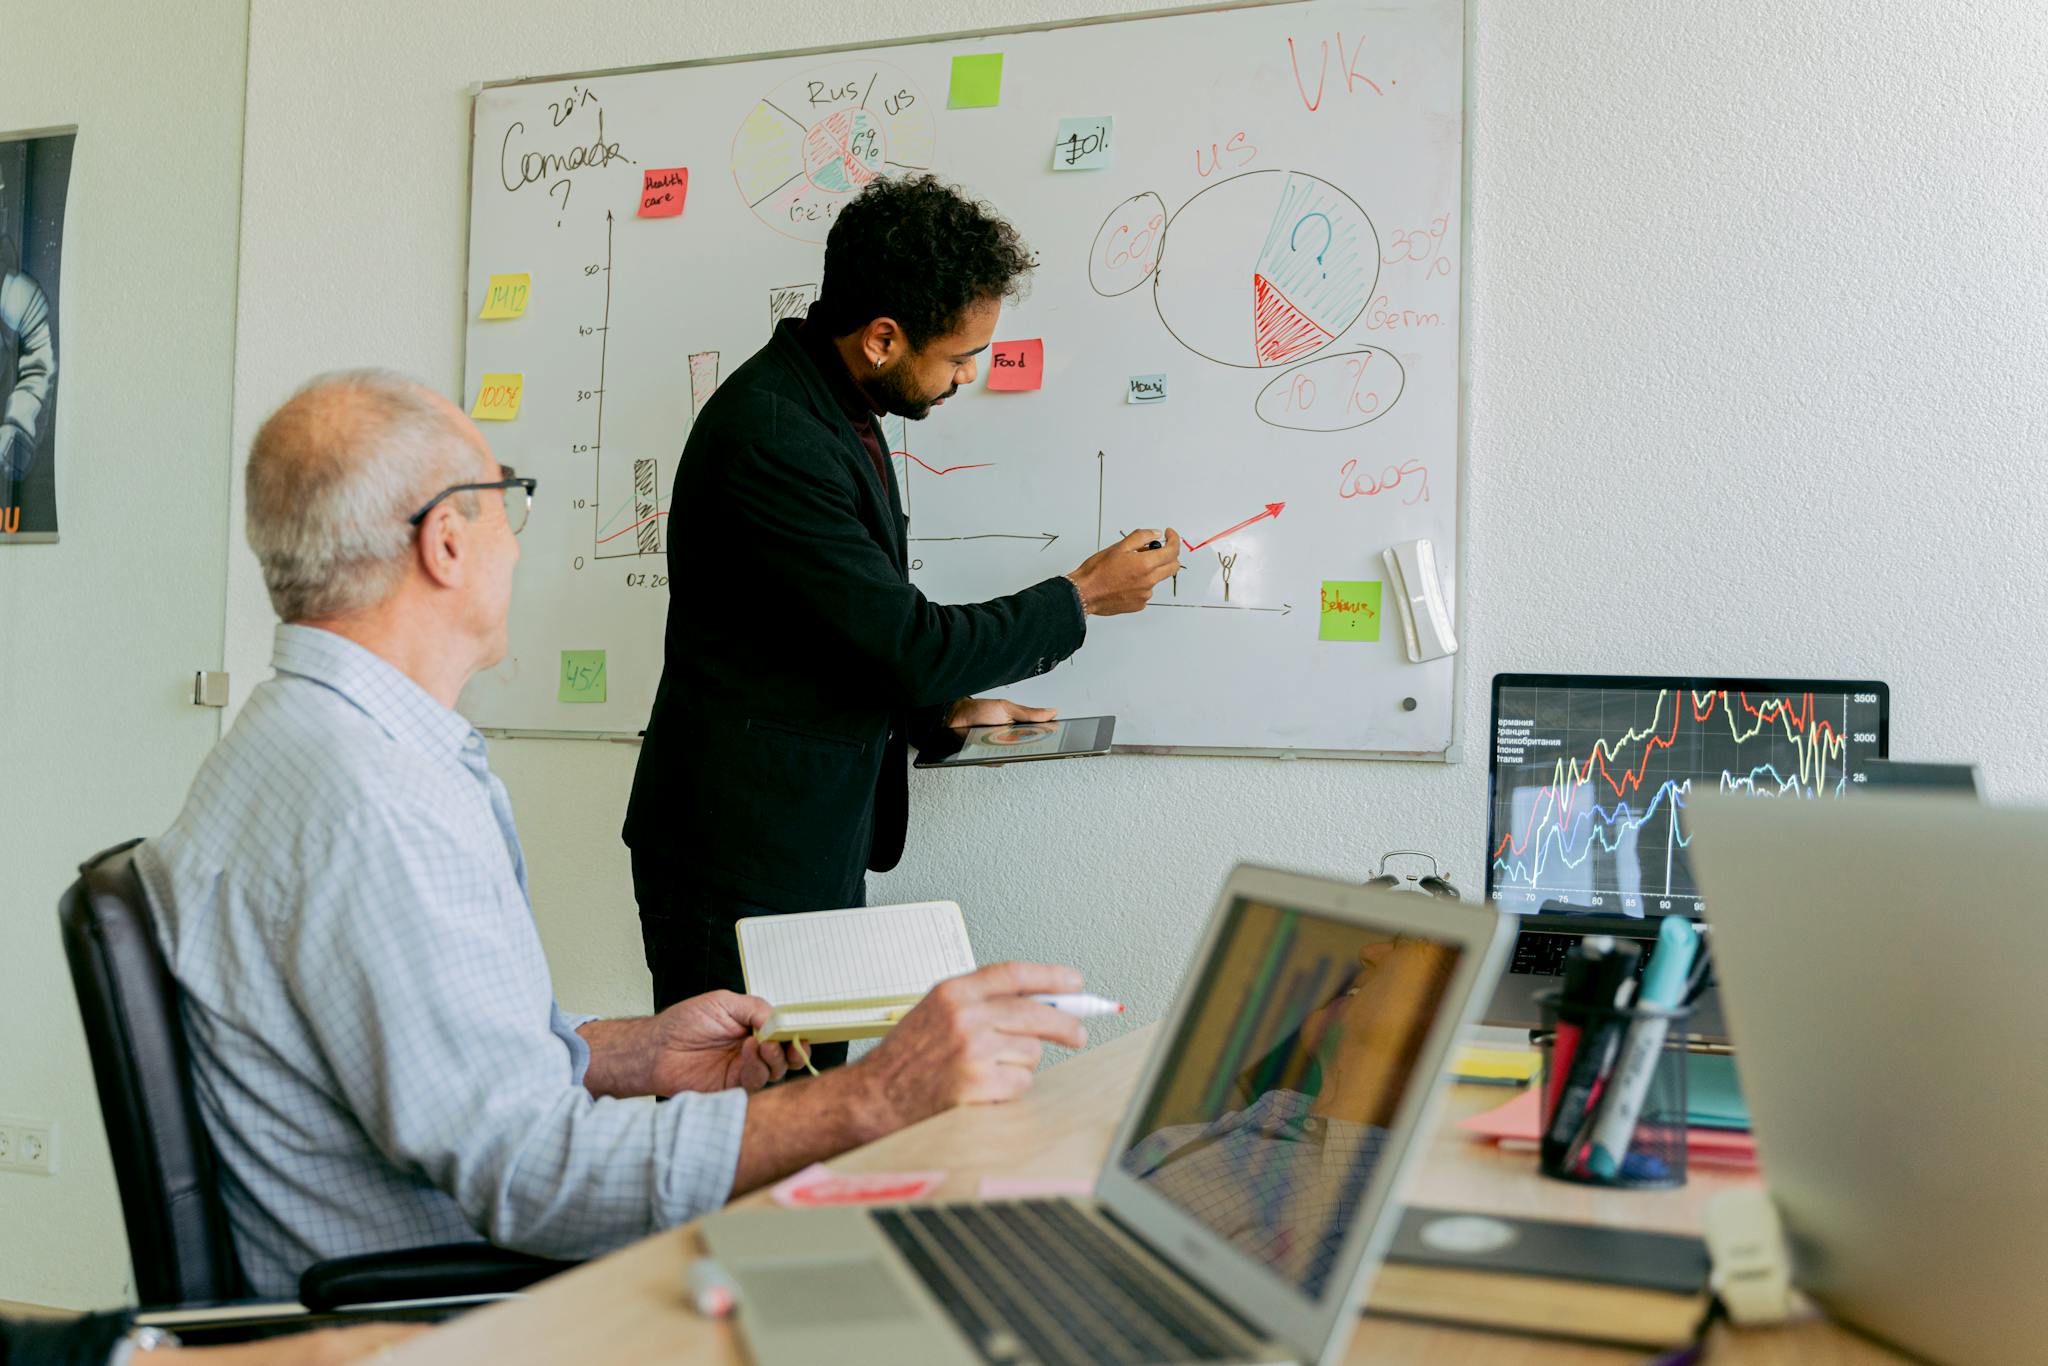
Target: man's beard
[892,389]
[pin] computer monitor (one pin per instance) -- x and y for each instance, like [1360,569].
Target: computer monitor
[1921,779]
[1591,775]
[1590,778]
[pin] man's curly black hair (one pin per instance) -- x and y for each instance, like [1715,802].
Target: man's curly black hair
[916,249]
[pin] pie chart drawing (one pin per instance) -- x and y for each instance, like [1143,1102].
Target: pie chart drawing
[1265,268]
[808,145]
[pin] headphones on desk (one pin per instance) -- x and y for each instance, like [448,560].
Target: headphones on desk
[1432,883]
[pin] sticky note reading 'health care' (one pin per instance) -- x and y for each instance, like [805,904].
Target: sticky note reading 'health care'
[505,296]
[497,398]
[582,676]
[977,81]
[1351,610]
[662,192]
[1016,364]
[1083,144]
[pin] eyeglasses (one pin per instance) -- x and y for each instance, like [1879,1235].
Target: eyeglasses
[518,498]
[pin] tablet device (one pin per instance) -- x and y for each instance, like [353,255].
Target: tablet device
[961,746]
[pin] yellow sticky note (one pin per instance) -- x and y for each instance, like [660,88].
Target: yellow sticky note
[497,398]
[1503,1066]
[505,296]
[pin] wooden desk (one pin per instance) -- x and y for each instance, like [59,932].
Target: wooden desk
[629,1307]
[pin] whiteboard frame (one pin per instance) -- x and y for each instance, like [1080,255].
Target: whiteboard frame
[1452,752]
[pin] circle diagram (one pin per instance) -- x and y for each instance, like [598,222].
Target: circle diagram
[812,142]
[1126,245]
[1265,268]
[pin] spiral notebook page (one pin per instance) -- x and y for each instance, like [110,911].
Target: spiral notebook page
[819,957]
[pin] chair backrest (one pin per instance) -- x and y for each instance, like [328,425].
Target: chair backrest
[179,1240]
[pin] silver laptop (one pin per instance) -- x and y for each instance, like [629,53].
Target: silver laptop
[1881,966]
[1247,1195]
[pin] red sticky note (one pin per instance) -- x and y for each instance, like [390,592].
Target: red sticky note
[1016,364]
[662,193]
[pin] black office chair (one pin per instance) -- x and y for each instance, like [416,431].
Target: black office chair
[178,1236]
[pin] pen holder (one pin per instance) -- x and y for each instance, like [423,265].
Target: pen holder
[1614,1102]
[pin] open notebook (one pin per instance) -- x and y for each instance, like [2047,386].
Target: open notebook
[834,975]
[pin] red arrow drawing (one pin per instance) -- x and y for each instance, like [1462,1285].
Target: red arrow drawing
[1272,510]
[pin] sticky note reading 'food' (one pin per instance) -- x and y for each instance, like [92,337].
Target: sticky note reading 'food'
[505,296]
[1146,389]
[662,192]
[1351,610]
[497,398]
[582,676]
[1016,364]
[977,81]
[1083,144]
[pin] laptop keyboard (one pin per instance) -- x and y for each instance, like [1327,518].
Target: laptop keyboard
[1540,953]
[1036,1281]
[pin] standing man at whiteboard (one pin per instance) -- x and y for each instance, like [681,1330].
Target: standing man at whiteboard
[800,661]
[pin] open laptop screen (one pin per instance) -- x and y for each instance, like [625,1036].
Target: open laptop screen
[1267,1120]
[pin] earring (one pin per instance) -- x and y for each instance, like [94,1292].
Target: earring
[878,365]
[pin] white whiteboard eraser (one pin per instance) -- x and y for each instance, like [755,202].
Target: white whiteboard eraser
[1419,593]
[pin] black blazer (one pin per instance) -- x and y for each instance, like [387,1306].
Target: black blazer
[799,658]
[85,1341]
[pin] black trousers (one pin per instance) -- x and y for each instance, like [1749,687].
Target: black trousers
[687,932]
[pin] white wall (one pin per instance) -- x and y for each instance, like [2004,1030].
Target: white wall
[100,634]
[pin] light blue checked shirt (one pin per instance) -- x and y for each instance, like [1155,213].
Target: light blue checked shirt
[377,1050]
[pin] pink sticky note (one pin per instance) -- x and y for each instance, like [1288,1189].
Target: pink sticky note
[818,1185]
[1034,1187]
[1016,364]
[662,192]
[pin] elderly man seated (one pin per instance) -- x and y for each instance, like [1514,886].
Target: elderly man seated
[378,1054]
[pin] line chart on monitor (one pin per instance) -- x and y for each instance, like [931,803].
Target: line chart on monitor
[1591,784]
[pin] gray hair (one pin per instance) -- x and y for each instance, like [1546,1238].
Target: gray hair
[334,475]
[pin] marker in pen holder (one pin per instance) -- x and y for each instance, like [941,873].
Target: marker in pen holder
[1623,1059]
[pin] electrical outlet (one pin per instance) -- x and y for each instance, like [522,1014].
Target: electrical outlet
[28,1145]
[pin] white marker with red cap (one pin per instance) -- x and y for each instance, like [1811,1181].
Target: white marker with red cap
[1080,1004]
[712,1292]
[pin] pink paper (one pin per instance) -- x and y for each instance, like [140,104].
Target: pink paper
[818,1185]
[1016,365]
[1034,1187]
[1521,1117]
[1521,1120]
[662,192]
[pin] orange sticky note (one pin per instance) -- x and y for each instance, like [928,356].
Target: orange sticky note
[1017,364]
[497,397]
[662,192]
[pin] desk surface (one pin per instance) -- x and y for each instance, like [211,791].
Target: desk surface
[629,1307]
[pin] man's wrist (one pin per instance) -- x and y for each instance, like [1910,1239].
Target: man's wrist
[862,1099]
[622,1055]
[1080,595]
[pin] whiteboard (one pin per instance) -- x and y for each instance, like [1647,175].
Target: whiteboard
[1277,233]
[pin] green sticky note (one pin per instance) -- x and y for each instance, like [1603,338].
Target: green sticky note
[582,676]
[977,81]
[1351,609]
